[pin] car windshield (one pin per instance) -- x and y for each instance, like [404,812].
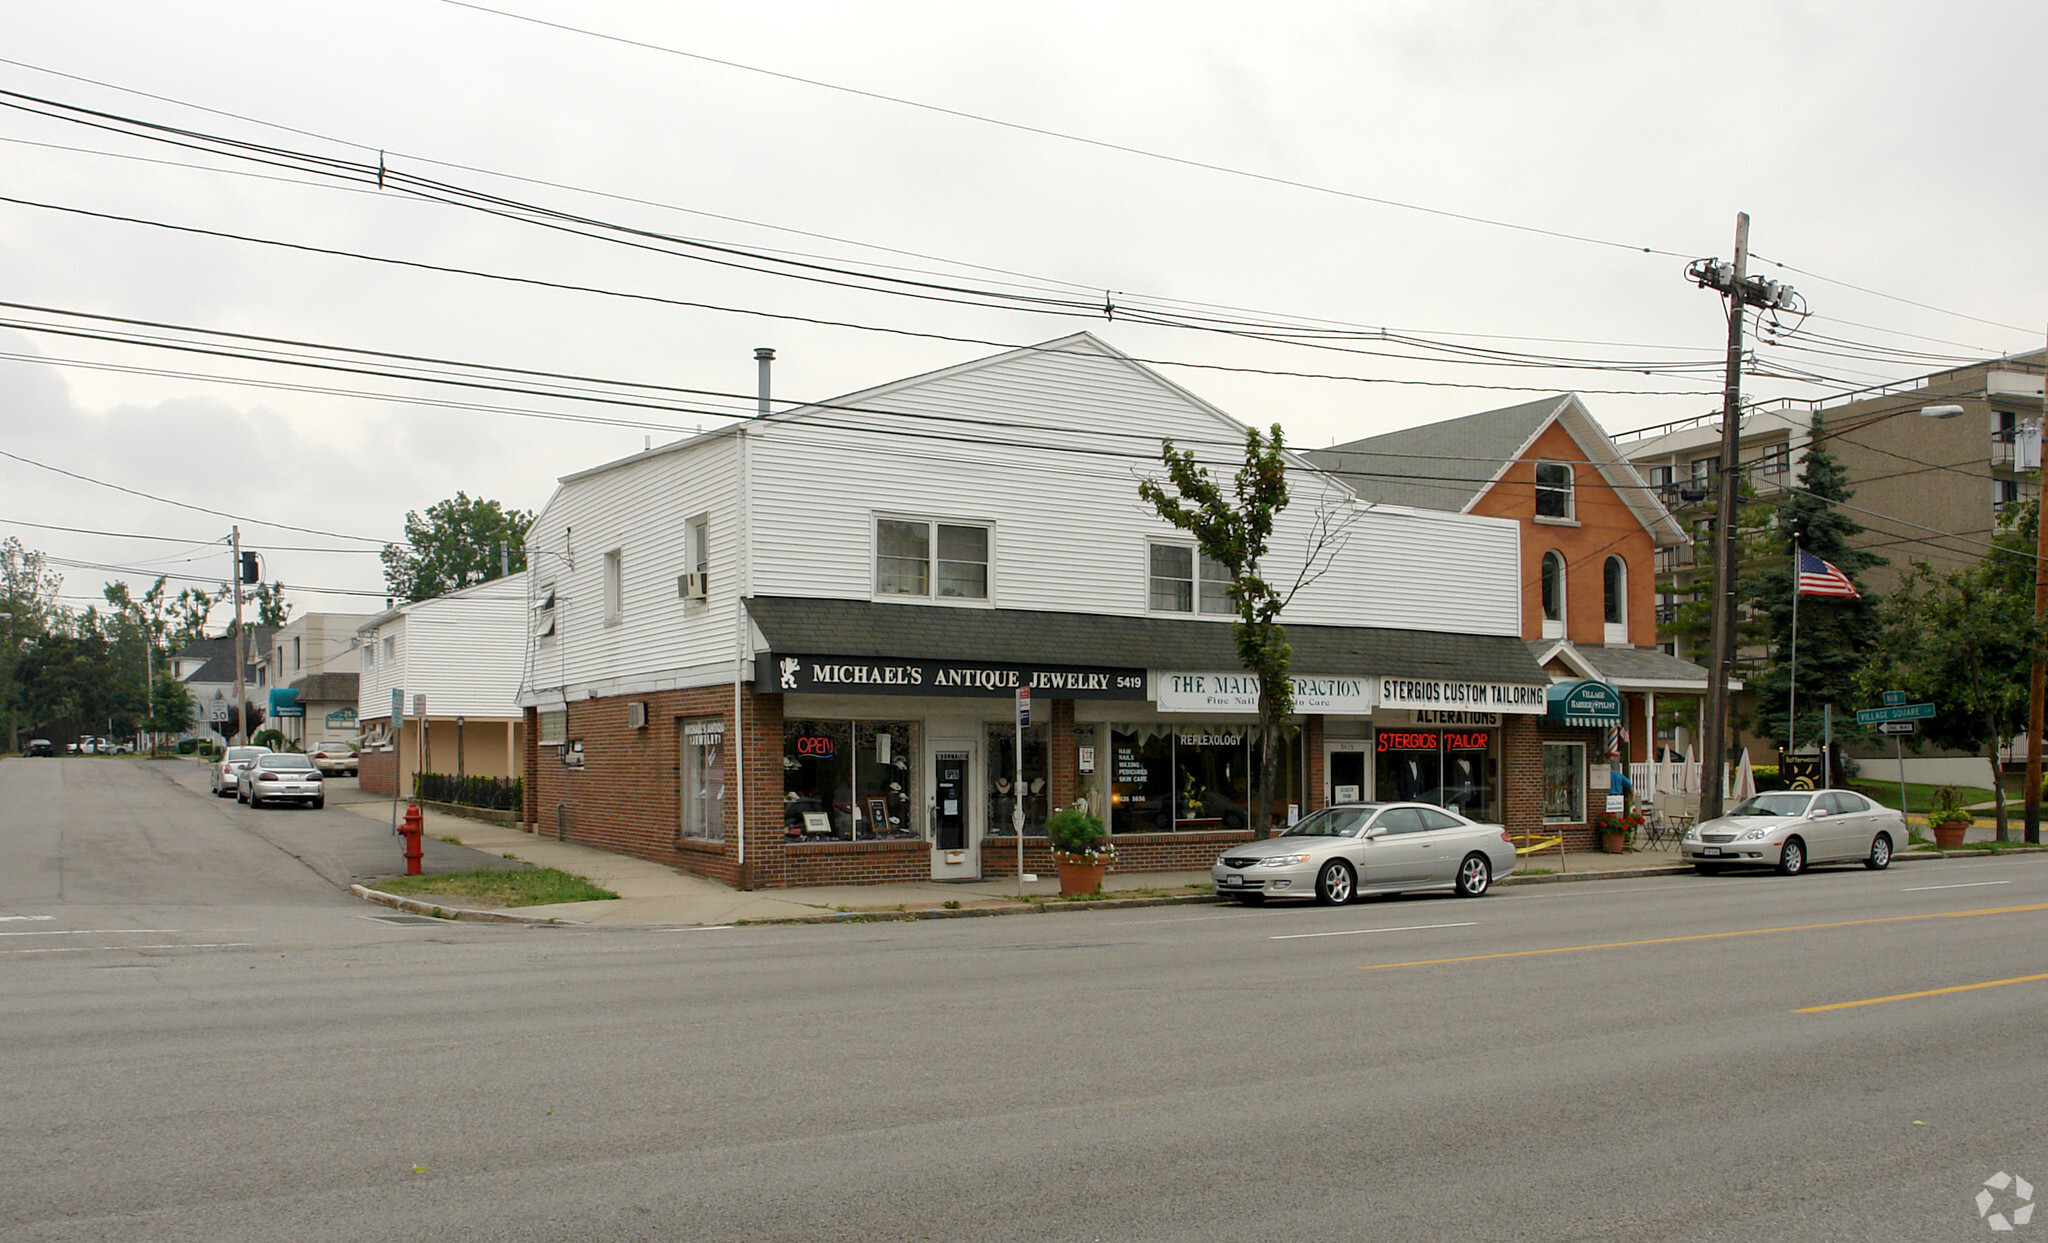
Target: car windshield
[1780,804]
[236,755]
[1334,822]
[286,761]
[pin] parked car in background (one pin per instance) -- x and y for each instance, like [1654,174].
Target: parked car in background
[1790,829]
[336,758]
[1340,852]
[40,746]
[227,770]
[281,777]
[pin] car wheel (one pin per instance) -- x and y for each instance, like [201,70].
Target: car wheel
[1792,860]
[318,803]
[1474,875]
[1707,869]
[1334,884]
[1880,853]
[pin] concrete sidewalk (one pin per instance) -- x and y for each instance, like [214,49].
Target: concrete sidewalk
[351,844]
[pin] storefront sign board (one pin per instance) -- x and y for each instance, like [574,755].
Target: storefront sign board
[862,675]
[1452,696]
[1238,692]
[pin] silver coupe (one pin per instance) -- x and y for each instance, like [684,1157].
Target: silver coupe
[1335,854]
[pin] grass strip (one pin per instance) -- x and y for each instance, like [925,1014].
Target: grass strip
[490,887]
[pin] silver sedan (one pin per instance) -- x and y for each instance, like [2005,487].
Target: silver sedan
[1340,852]
[1789,829]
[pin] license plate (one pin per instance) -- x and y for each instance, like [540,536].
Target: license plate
[1711,850]
[1233,880]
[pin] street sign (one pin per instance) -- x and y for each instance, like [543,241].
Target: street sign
[419,706]
[1023,707]
[397,706]
[217,710]
[1900,712]
[1893,699]
[1898,727]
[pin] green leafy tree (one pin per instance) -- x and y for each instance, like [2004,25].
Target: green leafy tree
[455,545]
[1233,529]
[1835,635]
[28,611]
[170,706]
[1692,620]
[271,607]
[1964,640]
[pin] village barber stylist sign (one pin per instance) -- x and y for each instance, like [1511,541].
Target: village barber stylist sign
[1464,696]
[867,675]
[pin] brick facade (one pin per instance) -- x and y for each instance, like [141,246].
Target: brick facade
[376,770]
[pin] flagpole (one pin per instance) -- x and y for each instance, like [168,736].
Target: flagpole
[1792,710]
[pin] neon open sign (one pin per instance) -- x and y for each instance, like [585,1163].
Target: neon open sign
[815,747]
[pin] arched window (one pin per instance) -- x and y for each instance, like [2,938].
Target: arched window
[1616,587]
[1553,595]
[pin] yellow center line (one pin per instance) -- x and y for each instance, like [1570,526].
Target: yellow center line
[1932,992]
[1708,936]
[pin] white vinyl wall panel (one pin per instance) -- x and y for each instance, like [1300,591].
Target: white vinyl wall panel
[464,654]
[641,508]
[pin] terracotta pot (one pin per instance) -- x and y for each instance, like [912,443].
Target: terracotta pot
[1077,878]
[1949,836]
[1613,843]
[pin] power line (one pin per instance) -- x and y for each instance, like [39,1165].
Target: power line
[164,500]
[176,539]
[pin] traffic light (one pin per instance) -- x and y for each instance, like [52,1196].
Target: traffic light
[250,571]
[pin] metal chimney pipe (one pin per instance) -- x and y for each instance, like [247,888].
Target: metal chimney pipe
[764,356]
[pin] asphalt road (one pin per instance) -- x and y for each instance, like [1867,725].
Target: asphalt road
[204,1039]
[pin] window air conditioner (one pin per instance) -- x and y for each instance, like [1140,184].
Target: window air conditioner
[693,586]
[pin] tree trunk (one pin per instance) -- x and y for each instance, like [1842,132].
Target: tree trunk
[1269,771]
[1997,784]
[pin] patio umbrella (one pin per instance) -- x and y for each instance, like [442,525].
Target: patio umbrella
[1745,778]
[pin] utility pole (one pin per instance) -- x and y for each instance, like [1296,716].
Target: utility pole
[241,709]
[1733,282]
[2040,676]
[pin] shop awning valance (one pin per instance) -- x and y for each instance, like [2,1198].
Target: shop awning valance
[1585,702]
[284,704]
[866,629]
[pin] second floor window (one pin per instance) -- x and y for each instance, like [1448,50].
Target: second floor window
[1553,490]
[939,560]
[1184,581]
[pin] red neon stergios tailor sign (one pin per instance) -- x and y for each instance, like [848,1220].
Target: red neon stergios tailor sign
[1399,740]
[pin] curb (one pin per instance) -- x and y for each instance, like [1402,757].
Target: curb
[416,907]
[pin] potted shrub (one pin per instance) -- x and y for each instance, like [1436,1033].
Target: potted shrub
[1947,818]
[1080,850]
[1617,830]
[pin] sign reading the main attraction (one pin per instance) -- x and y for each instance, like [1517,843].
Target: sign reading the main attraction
[1239,692]
[867,675]
[1445,696]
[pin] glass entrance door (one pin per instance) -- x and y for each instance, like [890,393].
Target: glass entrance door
[956,819]
[1349,774]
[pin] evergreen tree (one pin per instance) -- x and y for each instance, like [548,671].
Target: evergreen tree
[1835,635]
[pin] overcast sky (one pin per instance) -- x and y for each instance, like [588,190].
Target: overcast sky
[1522,178]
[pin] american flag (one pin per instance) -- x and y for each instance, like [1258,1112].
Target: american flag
[1821,578]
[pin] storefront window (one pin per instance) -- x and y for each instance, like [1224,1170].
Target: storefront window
[1449,767]
[885,782]
[1289,779]
[703,780]
[1564,783]
[1211,789]
[1140,776]
[1004,794]
[849,780]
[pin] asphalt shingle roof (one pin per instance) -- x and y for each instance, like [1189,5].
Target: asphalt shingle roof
[1438,465]
[1624,665]
[866,629]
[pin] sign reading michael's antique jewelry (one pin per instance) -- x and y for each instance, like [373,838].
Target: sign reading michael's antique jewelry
[1239,692]
[844,675]
[1463,696]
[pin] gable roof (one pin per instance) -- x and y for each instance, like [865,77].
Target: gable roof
[1451,464]
[219,654]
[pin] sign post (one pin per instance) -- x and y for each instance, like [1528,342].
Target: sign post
[1017,782]
[1896,718]
[397,750]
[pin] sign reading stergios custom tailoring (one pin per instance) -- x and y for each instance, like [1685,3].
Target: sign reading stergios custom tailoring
[842,675]
[1464,696]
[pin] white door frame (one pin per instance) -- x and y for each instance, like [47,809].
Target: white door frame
[963,864]
[1347,746]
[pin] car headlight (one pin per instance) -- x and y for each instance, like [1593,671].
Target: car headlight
[1754,835]
[1282,861]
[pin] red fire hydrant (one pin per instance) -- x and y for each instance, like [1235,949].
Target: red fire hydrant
[411,831]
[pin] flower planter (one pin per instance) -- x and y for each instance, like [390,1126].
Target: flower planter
[1949,836]
[1613,843]
[1079,876]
